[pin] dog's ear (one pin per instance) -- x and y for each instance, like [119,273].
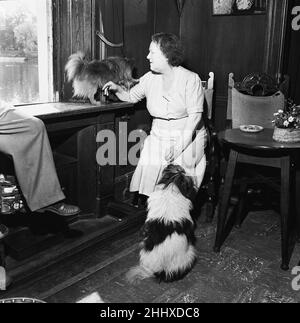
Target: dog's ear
[186,186]
[177,175]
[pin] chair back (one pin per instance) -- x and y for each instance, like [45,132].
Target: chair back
[247,109]
[209,94]
[208,87]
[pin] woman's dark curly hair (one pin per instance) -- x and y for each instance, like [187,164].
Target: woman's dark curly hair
[170,46]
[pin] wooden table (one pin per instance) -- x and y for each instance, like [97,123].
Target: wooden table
[261,149]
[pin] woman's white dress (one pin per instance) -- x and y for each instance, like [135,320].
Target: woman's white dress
[170,112]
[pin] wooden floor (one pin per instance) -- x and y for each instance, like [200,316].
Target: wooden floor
[246,271]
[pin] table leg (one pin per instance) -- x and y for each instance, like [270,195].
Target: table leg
[222,216]
[285,210]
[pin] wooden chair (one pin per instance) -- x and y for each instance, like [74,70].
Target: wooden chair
[248,109]
[210,181]
[209,95]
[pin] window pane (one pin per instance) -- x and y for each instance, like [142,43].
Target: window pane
[22,51]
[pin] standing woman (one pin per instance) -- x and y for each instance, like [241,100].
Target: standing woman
[175,101]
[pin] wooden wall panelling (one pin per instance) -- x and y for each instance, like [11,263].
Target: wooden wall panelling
[139,21]
[105,174]
[94,180]
[64,29]
[87,170]
[195,34]
[138,28]
[275,37]
[124,124]
[61,42]
[72,32]
[167,17]
[112,14]
[292,51]
[99,49]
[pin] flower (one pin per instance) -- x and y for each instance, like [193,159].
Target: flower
[289,118]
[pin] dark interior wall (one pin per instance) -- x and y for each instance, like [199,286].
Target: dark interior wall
[222,44]
[141,20]
[110,15]
[138,28]
[292,52]
[167,17]
[73,30]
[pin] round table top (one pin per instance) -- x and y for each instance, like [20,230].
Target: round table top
[259,140]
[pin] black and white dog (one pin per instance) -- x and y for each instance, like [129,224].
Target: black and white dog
[167,251]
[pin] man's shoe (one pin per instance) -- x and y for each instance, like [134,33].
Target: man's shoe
[62,209]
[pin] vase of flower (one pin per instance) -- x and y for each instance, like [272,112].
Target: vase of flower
[286,135]
[287,124]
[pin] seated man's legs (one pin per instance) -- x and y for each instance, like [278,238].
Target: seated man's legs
[26,140]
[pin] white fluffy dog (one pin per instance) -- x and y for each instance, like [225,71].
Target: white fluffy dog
[168,251]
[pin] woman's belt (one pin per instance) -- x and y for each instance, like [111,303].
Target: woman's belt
[169,119]
[199,126]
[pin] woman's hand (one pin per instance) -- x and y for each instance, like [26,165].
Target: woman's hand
[186,138]
[172,153]
[110,86]
[117,89]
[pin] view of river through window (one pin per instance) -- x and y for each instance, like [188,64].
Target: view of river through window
[19,81]
[20,51]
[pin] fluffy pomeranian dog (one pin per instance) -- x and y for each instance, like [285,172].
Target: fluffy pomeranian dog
[88,77]
[167,250]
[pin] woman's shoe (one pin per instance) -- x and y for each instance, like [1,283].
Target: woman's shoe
[62,209]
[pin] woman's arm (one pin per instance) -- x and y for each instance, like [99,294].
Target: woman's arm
[122,94]
[186,139]
[134,95]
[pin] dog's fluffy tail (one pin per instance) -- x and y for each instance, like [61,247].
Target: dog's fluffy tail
[75,65]
[137,273]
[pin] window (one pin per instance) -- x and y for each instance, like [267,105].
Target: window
[26,71]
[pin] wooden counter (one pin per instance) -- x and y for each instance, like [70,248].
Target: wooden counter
[73,129]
